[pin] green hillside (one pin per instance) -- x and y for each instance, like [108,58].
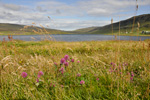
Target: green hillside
[15,29]
[125,26]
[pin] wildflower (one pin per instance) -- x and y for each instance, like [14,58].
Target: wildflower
[131,78]
[72,60]
[110,70]
[24,74]
[41,73]
[66,57]
[54,85]
[78,61]
[82,82]
[119,67]
[78,74]
[62,72]
[62,60]
[128,73]
[52,57]
[37,80]
[111,63]
[132,74]
[66,63]
[126,64]
[55,63]
[50,84]
[61,69]
[97,79]
[39,76]
[123,64]
[62,86]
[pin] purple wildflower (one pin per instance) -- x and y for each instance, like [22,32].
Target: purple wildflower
[50,84]
[24,74]
[62,60]
[55,64]
[119,67]
[62,72]
[39,76]
[52,57]
[78,61]
[111,63]
[66,63]
[82,82]
[37,80]
[131,78]
[72,60]
[110,70]
[61,69]
[97,79]
[132,74]
[41,73]
[126,64]
[66,57]
[78,74]
[128,73]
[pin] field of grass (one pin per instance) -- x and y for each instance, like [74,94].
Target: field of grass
[110,70]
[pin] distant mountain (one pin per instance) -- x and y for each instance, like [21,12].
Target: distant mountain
[125,26]
[16,29]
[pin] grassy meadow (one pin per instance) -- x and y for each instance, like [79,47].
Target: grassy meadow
[44,70]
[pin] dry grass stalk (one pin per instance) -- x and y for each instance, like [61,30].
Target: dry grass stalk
[112,27]
[138,29]
[43,28]
[135,16]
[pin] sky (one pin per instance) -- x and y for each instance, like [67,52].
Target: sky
[70,14]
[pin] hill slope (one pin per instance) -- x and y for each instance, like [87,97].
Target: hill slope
[16,29]
[125,26]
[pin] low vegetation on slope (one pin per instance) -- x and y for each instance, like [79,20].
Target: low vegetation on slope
[15,29]
[125,26]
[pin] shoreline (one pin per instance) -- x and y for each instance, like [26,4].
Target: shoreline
[71,34]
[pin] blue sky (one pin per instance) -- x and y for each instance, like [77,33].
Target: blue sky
[69,14]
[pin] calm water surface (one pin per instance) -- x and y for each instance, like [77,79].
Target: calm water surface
[74,37]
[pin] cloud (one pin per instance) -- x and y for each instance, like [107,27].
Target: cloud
[58,11]
[95,8]
[75,24]
[68,16]
[59,8]
[98,12]
[100,8]
[11,7]
[40,9]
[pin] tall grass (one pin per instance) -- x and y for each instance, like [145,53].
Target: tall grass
[128,78]
[113,70]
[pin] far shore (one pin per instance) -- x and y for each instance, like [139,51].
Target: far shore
[115,34]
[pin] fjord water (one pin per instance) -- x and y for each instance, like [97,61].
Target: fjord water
[74,37]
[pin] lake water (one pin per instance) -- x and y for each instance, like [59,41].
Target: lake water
[74,37]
